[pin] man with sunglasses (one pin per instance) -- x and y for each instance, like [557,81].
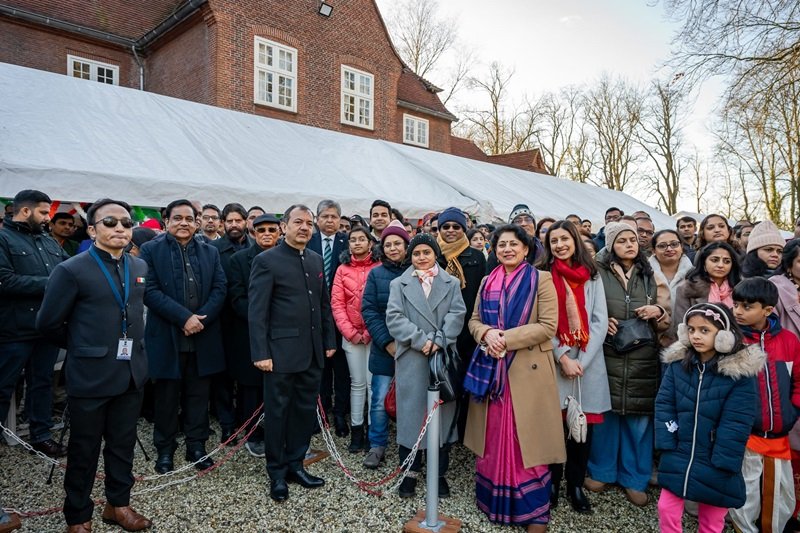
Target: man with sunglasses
[185,294]
[250,392]
[468,265]
[521,216]
[236,238]
[28,257]
[94,305]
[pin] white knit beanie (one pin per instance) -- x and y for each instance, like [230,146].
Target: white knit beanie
[613,229]
[764,234]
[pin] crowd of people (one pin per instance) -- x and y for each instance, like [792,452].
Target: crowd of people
[637,355]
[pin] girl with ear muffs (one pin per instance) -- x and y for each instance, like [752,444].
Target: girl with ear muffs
[705,410]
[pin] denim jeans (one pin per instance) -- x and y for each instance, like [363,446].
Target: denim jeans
[622,451]
[378,419]
[38,358]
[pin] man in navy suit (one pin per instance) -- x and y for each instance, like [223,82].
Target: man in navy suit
[291,335]
[93,305]
[330,244]
[185,293]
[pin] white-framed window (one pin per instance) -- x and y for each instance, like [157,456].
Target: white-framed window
[88,69]
[357,97]
[275,74]
[415,130]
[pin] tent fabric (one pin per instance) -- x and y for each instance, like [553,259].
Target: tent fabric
[79,141]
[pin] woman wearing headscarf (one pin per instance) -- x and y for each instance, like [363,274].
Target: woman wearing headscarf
[514,423]
[424,314]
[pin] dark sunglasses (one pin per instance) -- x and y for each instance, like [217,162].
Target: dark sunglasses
[449,227]
[111,222]
[434,230]
[265,230]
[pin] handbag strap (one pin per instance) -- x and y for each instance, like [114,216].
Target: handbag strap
[577,382]
[646,279]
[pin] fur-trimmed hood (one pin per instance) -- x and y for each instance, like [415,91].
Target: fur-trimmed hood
[747,362]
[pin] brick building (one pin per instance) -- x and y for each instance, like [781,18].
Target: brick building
[285,60]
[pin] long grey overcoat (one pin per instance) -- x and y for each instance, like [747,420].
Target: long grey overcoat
[412,321]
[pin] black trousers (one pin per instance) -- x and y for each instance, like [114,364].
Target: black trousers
[416,465]
[335,392]
[290,402]
[577,460]
[249,398]
[189,395]
[222,394]
[92,420]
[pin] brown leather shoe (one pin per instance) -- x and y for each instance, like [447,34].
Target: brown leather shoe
[594,486]
[126,518]
[12,524]
[86,527]
[637,497]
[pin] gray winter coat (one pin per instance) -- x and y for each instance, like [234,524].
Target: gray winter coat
[412,321]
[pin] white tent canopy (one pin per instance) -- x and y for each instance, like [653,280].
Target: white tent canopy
[79,141]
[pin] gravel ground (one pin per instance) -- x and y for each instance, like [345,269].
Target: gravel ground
[234,498]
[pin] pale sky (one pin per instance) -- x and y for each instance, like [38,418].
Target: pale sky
[553,44]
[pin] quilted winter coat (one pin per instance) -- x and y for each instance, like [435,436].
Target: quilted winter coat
[348,287]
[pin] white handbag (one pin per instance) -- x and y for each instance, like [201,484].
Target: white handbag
[576,420]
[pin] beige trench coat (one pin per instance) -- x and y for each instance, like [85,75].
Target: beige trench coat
[532,378]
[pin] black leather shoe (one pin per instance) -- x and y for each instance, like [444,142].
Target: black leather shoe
[304,479]
[50,448]
[408,487]
[444,487]
[577,498]
[278,490]
[165,463]
[194,455]
[341,426]
[226,434]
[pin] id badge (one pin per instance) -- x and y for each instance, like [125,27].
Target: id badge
[124,349]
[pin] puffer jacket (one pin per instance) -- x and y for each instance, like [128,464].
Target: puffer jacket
[632,376]
[704,412]
[779,381]
[373,310]
[348,287]
[26,261]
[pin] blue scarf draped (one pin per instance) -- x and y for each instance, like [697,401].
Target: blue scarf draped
[506,302]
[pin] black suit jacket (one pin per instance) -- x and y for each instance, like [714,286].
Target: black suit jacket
[79,311]
[340,244]
[237,337]
[289,311]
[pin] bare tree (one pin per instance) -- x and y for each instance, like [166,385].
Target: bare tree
[500,127]
[613,111]
[557,115]
[699,173]
[659,135]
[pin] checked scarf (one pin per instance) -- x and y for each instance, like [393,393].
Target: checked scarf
[506,302]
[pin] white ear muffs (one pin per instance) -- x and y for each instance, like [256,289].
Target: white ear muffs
[725,340]
[683,335]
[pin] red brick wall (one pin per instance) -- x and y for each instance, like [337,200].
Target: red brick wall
[438,129]
[182,66]
[353,35]
[44,50]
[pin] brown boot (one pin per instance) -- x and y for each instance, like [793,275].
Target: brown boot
[86,527]
[12,524]
[126,518]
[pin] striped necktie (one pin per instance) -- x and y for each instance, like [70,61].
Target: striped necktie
[327,258]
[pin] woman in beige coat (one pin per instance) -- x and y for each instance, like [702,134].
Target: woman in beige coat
[514,423]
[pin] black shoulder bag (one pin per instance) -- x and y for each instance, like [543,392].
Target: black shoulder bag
[633,333]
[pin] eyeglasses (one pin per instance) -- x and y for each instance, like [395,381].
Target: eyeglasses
[664,245]
[522,220]
[450,227]
[266,230]
[434,229]
[647,232]
[178,219]
[210,217]
[111,222]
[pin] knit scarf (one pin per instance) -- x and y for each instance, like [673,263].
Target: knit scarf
[573,322]
[451,251]
[721,294]
[426,278]
[506,302]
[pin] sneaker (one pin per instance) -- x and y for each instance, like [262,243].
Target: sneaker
[637,497]
[256,449]
[408,488]
[374,457]
[444,487]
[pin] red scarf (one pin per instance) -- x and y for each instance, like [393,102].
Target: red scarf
[573,323]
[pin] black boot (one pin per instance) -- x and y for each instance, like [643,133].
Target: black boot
[341,426]
[577,498]
[366,445]
[556,471]
[356,439]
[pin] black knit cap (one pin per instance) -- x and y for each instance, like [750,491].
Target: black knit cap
[423,238]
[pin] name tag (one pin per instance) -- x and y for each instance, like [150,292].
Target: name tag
[124,349]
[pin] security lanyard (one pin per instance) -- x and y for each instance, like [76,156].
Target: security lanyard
[123,304]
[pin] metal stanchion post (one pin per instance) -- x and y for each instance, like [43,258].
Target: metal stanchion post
[432,493]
